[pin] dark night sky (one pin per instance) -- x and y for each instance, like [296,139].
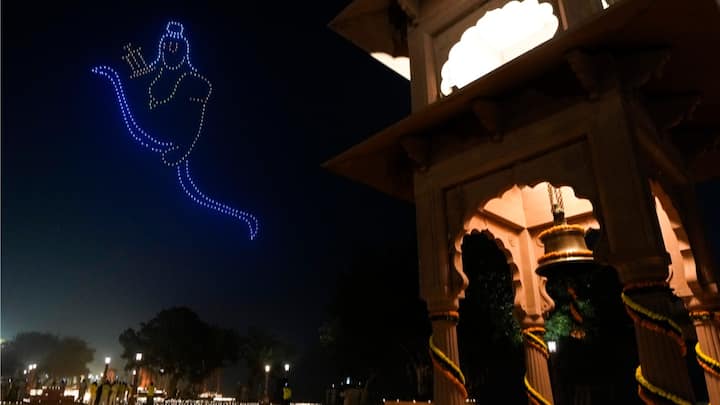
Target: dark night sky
[96,234]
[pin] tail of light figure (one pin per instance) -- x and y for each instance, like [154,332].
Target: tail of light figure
[183,167]
[192,191]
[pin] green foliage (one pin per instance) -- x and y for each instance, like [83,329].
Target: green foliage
[488,335]
[559,324]
[606,354]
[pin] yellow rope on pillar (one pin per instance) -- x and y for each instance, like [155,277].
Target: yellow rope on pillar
[645,384]
[532,339]
[441,362]
[535,397]
[705,315]
[659,323]
[536,341]
[448,368]
[708,364]
[654,321]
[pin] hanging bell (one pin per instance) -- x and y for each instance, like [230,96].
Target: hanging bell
[565,249]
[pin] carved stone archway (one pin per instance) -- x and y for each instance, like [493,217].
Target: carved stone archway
[513,219]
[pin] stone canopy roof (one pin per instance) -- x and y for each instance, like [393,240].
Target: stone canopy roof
[669,50]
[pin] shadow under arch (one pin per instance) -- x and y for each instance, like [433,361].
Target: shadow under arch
[489,337]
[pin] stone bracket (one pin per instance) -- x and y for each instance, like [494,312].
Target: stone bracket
[489,115]
[637,68]
[597,70]
[591,70]
[669,111]
[418,149]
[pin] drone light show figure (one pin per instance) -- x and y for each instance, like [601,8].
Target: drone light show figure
[177,92]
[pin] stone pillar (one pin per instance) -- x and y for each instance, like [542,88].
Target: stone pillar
[441,286]
[537,373]
[662,372]
[635,246]
[707,327]
[448,389]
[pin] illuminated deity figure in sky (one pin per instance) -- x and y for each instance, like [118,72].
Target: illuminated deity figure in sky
[177,94]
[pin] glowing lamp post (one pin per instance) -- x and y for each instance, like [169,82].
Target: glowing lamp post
[266,396]
[286,389]
[138,359]
[107,364]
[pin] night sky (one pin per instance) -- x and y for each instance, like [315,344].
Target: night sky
[96,234]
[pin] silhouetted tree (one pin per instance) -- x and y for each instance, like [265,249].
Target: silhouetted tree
[56,356]
[258,348]
[378,328]
[179,342]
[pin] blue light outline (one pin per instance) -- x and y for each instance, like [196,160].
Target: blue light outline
[141,136]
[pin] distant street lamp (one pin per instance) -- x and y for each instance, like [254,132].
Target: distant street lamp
[552,346]
[33,374]
[107,364]
[133,394]
[286,390]
[266,398]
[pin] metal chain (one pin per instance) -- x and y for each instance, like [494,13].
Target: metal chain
[559,199]
[557,206]
[556,198]
[550,194]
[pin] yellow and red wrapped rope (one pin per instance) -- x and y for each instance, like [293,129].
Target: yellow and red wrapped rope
[708,364]
[659,323]
[536,341]
[533,395]
[645,385]
[447,368]
[652,320]
[531,337]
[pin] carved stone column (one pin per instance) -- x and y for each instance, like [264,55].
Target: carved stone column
[441,286]
[448,380]
[662,373]
[707,350]
[635,248]
[537,373]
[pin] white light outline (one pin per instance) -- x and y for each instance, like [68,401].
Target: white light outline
[141,136]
